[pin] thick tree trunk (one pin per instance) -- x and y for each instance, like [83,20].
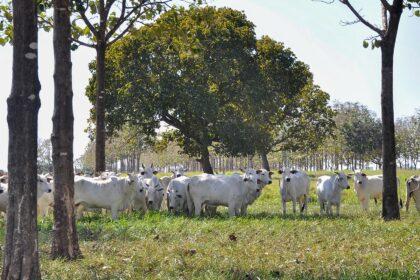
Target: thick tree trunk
[264,161]
[20,255]
[390,209]
[100,107]
[64,237]
[205,161]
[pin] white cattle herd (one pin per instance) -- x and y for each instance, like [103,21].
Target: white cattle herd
[205,192]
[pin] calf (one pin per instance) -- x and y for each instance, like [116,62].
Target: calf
[328,189]
[165,180]
[413,190]
[294,186]
[367,187]
[230,191]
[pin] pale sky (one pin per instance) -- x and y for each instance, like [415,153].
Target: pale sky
[341,66]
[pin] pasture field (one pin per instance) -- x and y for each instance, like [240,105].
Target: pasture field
[262,245]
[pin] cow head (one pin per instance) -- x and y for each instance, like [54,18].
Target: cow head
[179,171]
[148,172]
[287,174]
[264,176]
[251,179]
[154,192]
[342,181]
[359,178]
[42,186]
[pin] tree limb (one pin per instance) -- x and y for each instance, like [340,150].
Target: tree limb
[364,21]
[387,6]
[83,43]
[85,19]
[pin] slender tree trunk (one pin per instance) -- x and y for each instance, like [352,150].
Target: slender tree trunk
[100,107]
[390,209]
[205,161]
[64,238]
[20,255]
[264,161]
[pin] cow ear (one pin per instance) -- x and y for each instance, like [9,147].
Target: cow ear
[185,169]
[280,171]
[259,181]
[151,166]
[142,165]
[155,172]
[364,174]
[259,171]
[270,173]
[293,171]
[49,179]
[242,169]
[348,176]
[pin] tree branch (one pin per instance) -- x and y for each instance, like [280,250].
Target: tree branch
[364,21]
[82,13]
[83,43]
[384,16]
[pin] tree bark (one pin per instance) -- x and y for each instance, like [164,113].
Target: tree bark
[100,107]
[390,209]
[264,161]
[64,238]
[21,256]
[205,161]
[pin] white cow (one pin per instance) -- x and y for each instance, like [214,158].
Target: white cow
[42,187]
[413,190]
[114,193]
[367,187]
[328,189]
[263,179]
[165,180]
[177,195]
[294,186]
[230,191]
[139,198]
[46,201]
[154,192]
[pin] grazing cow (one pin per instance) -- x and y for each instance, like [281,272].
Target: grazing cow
[230,191]
[413,190]
[154,192]
[114,193]
[294,186]
[367,187]
[329,190]
[177,195]
[42,187]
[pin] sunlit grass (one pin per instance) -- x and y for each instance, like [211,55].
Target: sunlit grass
[263,244]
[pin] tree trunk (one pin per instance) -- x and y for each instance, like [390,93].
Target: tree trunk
[20,255]
[205,161]
[264,161]
[390,209]
[100,107]
[64,237]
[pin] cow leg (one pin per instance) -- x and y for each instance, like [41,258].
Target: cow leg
[306,203]
[243,209]
[329,208]
[284,206]
[231,210]
[338,209]
[197,206]
[376,201]
[114,212]
[301,205]
[294,205]
[365,203]
[321,207]
[407,200]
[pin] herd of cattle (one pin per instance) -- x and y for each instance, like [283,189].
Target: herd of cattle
[205,192]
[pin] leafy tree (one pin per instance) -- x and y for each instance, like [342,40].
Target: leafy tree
[385,39]
[44,151]
[64,238]
[193,69]
[21,255]
[407,133]
[294,115]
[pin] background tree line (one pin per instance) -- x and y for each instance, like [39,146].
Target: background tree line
[355,143]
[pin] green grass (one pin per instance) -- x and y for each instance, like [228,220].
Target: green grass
[262,245]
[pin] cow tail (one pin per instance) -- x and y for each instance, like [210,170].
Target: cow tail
[304,203]
[401,204]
